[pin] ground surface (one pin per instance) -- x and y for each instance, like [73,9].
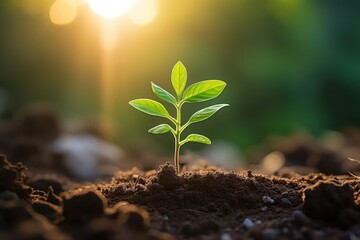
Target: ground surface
[206,203]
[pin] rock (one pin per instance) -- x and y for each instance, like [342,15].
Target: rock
[326,200]
[83,206]
[167,176]
[248,223]
[267,200]
[285,203]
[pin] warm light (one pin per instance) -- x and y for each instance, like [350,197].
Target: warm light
[143,12]
[110,8]
[272,162]
[63,11]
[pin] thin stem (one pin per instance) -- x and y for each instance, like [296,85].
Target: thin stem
[177,138]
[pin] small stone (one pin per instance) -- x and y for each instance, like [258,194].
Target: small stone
[257,222]
[248,223]
[267,200]
[300,218]
[264,209]
[225,236]
[285,202]
[270,234]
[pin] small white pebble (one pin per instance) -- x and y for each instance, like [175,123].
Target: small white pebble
[263,208]
[258,222]
[225,236]
[248,223]
[267,199]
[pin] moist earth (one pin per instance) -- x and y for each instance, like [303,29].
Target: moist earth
[205,203]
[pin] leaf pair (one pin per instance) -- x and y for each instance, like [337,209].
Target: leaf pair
[198,92]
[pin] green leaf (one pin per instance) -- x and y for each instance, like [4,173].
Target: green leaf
[160,129]
[179,78]
[203,91]
[150,107]
[205,113]
[196,138]
[163,94]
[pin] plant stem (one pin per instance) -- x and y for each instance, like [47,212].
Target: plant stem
[177,138]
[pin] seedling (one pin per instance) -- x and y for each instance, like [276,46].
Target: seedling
[197,92]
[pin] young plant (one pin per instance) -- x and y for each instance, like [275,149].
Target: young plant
[197,92]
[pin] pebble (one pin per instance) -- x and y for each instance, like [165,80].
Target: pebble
[225,236]
[267,199]
[285,202]
[300,218]
[248,223]
[264,208]
[270,234]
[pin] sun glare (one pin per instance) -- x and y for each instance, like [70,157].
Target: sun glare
[110,8]
[143,12]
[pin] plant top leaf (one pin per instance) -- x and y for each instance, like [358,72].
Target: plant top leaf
[160,129]
[205,113]
[150,107]
[196,138]
[203,91]
[179,78]
[163,94]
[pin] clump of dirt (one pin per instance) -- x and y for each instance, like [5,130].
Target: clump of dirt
[205,203]
[12,177]
[332,202]
[83,206]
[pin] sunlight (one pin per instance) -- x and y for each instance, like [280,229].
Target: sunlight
[110,8]
[143,12]
[63,12]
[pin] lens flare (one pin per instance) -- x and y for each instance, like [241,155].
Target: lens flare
[63,12]
[110,8]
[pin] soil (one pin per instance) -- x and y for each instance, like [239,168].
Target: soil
[205,203]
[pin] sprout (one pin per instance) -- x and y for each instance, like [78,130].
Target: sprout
[197,92]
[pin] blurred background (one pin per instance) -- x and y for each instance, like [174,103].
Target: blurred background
[292,68]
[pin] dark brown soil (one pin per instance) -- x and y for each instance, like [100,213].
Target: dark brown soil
[207,203]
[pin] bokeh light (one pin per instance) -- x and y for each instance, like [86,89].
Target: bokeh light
[110,8]
[63,12]
[143,11]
